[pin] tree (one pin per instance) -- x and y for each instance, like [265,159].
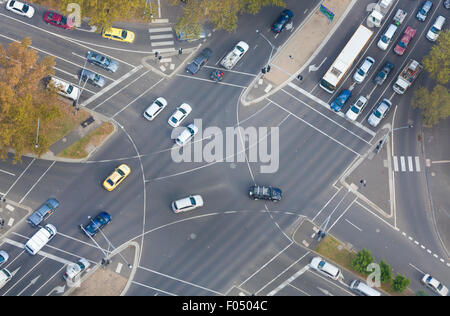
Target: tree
[437,62]
[362,260]
[435,105]
[22,99]
[400,283]
[223,14]
[385,270]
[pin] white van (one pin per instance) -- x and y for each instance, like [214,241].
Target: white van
[433,32]
[65,89]
[5,276]
[40,239]
[386,38]
[363,289]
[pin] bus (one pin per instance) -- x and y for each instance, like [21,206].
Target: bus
[345,59]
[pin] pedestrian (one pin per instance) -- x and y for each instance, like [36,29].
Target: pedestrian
[363,182]
[2,222]
[291,57]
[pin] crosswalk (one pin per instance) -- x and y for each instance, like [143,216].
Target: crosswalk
[406,164]
[162,39]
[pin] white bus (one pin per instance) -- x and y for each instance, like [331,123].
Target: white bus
[345,59]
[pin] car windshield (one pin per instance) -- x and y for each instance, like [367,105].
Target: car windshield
[159,103]
[422,11]
[377,113]
[96,77]
[361,72]
[70,89]
[434,30]
[63,20]
[355,109]
[384,39]
[401,44]
[192,200]
[190,130]
[182,110]
[440,286]
[110,182]
[240,48]
[174,120]
[119,171]
[321,264]
[25,8]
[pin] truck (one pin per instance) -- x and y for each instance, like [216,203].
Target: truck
[407,76]
[379,11]
[231,59]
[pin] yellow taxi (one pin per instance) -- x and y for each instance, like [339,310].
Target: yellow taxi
[117,176]
[120,35]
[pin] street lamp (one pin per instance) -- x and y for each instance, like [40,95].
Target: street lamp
[381,143]
[37,135]
[80,90]
[267,68]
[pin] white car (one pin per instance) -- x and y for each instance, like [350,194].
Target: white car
[186,134]
[379,112]
[356,109]
[3,257]
[325,268]
[75,269]
[153,110]
[65,89]
[435,285]
[364,69]
[20,8]
[40,239]
[180,114]
[187,204]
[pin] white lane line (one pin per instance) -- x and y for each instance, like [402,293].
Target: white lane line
[345,211]
[18,281]
[292,278]
[153,288]
[11,174]
[157,37]
[58,273]
[41,253]
[312,126]
[402,162]
[156,44]
[416,268]
[160,30]
[209,80]
[353,225]
[326,204]
[417,164]
[232,71]
[299,290]
[429,251]
[422,246]
[410,164]
[163,50]
[67,73]
[19,177]
[395,164]
[20,202]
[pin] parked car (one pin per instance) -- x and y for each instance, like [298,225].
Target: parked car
[93,78]
[363,70]
[199,61]
[379,112]
[436,28]
[40,239]
[97,223]
[339,102]
[64,88]
[116,177]
[435,285]
[20,8]
[356,109]
[186,135]
[179,115]
[263,192]
[58,20]
[187,204]
[102,61]
[43,212]
[423,11]
[3,257]
[327,269]
[75,269]
[447,4]
[284,18]
[153,110]
[401,46]
[117,34]
[5,277]
[383,73]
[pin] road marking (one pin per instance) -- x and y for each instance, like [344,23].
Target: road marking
[326,204]
[211,81]
[345,211]
[353,225]
[10,207]
[292,278]
[119,267]
[429,251]
[160,30]
[20,202]
[410,164]
[395,164]
[149,287]
[156,37]
[402,161]
[162,43]
[19,177]
[416,268]
[299,290]
[417,164]
[11,222]
[11,174]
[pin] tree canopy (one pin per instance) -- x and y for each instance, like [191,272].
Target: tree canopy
[435,104]
[437,62]
[22,99]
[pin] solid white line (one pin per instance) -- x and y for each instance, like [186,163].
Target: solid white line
[345,211]
[232,71]
[353,225]
[292,278]
[211,81]
[163,50]
[410,164]
[19,177]
[57,273]
[299,290]
[326,204]
[20,202]
[329,281]
[153,288]
[312,126]
[160,30]
[11,174]
[18,281]
[402,161]
[417,164]
[416,268]
[395,164]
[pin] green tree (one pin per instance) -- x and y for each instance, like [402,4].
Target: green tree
[435,105]
[223,14]
[22,99]
[437,62]
[362,260]
[385,270]
[400,283]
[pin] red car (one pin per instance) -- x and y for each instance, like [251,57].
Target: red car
[58,20]
[403,43]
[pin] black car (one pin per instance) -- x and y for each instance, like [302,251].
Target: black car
[257,192]
[383,73]
[284,18]
[199,61]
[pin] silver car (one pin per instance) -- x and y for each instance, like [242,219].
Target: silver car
[153,110]
[379,112]
[93,78]
[75,269]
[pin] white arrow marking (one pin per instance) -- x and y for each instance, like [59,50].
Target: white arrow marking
[326,292]
[314,67]
[31,283]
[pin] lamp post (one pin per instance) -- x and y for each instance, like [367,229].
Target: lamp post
[271,51]
[381,143]
[37,135]
[80,90]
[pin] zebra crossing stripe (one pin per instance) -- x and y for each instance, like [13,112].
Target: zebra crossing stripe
[162,43]
[402,161]
[157,37]
[417,164]
[410,164]
[395,164]
[160,30]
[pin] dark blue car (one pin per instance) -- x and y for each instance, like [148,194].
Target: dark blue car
[339,102]
[284,18]
[97,223]
[199,61]
[43,212]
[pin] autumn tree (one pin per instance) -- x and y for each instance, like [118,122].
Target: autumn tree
[435,104]
[223,14]
[22,99]
[437,62]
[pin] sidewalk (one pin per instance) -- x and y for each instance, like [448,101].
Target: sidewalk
[297,53]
